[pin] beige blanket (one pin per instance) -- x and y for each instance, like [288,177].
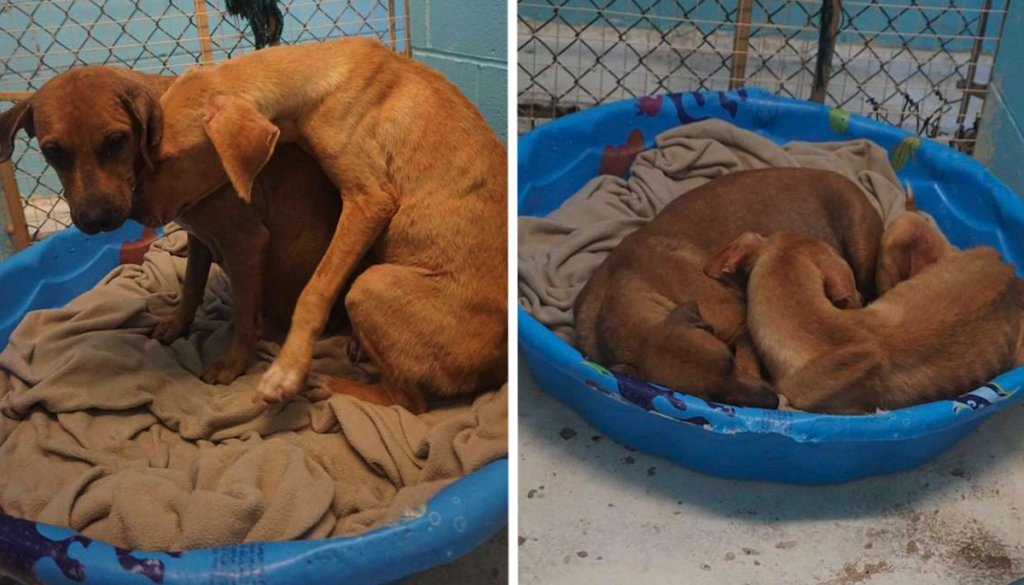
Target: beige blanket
[111,433]
[558,253]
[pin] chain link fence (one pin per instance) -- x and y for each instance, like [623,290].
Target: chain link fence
[40,39]
[922,65]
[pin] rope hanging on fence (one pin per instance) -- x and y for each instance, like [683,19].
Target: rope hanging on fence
[264,16]
[831,13]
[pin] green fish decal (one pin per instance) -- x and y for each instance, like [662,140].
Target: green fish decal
[838,120]
[903,152]
[601,370]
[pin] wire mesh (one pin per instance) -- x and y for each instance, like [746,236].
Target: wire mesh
[40,39]
[916,64]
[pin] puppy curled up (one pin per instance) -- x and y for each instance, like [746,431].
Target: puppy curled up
[942,328]
[649,311]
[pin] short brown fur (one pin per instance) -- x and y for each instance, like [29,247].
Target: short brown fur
[424,181]
[651,310]
[269,249]
[945,331]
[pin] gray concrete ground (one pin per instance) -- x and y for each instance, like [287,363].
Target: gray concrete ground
[593,512]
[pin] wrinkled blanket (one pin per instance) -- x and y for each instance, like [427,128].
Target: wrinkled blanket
[558,253]
[113,434]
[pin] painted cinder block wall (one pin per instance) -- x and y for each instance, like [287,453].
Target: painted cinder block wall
[1001,132]
[467,41]
[928,24]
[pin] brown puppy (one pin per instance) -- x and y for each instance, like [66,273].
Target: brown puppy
[96,126]
[649,310]
[946,331]
[425,188]
[911,245]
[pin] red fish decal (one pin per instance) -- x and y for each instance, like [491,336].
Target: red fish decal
[133,252]
[649,105]
[617,159]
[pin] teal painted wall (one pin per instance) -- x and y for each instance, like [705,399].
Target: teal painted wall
[928,24]
[1001,138]
[467,41]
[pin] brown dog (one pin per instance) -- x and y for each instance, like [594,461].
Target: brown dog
[650,311]
[911,245]
[425,188]
[945,331]
[96,126]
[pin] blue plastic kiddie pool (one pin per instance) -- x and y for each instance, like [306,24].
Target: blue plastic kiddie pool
[456,520]
[970,205]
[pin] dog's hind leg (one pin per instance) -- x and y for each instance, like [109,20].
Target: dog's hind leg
[413,326]
[849,380]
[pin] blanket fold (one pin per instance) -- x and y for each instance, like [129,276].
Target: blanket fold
[113,434]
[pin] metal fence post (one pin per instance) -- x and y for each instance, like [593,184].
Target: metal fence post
[740,45]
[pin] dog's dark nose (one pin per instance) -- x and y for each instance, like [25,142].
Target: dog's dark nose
[97,218]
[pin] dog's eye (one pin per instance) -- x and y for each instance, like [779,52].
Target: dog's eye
[56,156]
[113,144]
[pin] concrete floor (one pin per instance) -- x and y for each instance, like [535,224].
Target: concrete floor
[593,512]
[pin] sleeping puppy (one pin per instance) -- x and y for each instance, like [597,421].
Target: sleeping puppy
[911,245]
[650,311]
[946,330]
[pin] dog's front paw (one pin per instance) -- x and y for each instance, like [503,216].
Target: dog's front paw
[224,370]
[279,384]
[169,329]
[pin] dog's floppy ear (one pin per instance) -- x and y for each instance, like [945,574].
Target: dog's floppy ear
[688,312]
[732,263]
[907,248]
[244,140]
[840,287]
[144,107]
[926,248]
[17,118]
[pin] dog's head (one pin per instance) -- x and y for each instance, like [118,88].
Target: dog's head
[96,127]
[208,141]
[910,245]
[786,253]
[691,357]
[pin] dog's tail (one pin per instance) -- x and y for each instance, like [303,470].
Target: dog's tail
[911,202]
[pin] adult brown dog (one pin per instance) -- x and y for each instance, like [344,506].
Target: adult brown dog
[96,126]
[945,331]
[650,311]
[424,181]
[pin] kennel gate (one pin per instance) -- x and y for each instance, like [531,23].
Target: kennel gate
[922,65]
